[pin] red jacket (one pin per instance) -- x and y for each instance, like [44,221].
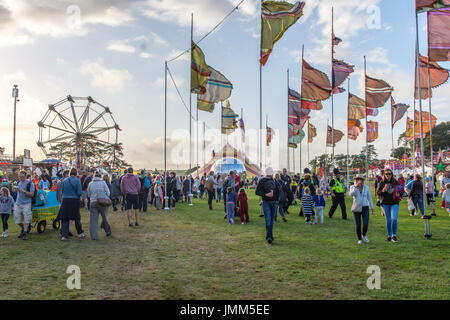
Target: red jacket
[242,200]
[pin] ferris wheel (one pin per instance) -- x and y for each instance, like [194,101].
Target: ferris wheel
[81,129]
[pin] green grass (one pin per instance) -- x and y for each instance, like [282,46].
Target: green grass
[192,253]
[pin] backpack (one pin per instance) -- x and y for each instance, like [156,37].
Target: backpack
[33,198]
[144,189]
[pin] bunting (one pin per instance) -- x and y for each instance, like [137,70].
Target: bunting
[312,132]
[377,92]
[372,131]
[217,89]
[341,71]
[199,70]
[426,5]
[229,122]
[438,76]
[439,33]
[397,111]
[337,136]
[315,86]
[276,18]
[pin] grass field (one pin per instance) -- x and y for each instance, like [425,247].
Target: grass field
[192,253]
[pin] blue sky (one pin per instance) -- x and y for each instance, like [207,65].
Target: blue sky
[117,52]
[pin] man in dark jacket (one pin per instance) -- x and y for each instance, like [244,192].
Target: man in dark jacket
[115,191]
[289,194]
[268,190]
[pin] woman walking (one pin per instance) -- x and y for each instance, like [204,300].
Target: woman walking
[390,196]
[70,207]
[362,200]
[98,191]
[6,207]
[417,193]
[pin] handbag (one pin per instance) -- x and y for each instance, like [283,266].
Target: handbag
[104,202]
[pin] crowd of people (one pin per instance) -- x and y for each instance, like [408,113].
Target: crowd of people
[96,192]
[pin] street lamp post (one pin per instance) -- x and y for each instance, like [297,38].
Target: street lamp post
[15,95]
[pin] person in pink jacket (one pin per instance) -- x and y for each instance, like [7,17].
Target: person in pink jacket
[130,186]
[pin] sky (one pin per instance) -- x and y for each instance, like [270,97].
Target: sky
[114,51]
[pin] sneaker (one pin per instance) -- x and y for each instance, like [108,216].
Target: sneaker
[284,219]
[394,239]
[108,234]
[130,225]
[5,234]
[359,241]
[20,236]
[366,240]
[314,222]
[81,236]
[225,216]
[388,239]
[70,234]
[242,222]
[136,224]
[269,241]
[24,237]
[63,239]
[261,215]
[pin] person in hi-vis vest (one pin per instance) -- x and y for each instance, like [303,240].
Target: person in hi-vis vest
[337,186]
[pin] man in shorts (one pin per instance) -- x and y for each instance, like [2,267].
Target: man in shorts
[22,210]
[130,186]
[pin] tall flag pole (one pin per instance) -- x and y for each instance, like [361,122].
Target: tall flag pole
[300,146]
[267,129]
[392,126]
[332,96]
[420,107]
[221,137]
[431,126]
[288,120]
[204,144]
[260,99]
[367,127]
[190,111]
[307,143]
[348,173]
[165,136]
[414,138]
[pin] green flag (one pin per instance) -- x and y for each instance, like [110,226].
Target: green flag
[276,18]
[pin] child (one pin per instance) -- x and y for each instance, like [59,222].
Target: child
[242,204]
[158,195]
[230,201]
[446,198]
[319,203]
[307,204]
[6,206]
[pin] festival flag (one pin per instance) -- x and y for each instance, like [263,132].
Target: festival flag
[269,135]
[372,131]
[439,34]
[426,5]
[217,89]
[199,70]
[377,92]
[438,76]
[409,129]
[397,111]
[242,126]
[312,132]
[341,71]
[372,112]
[356,107]
[337,136]
[354,128]
[276,18]
[296,137]
[315,87]
[425,122]
[229,122]
[336,40]
[296,114]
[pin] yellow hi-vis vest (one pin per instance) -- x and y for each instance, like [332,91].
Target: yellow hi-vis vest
[293,183]
[338,186]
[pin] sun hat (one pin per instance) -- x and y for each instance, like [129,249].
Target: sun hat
[359,177]
[269,171]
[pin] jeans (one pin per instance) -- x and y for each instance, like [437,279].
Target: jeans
[319,211]
[95,210]
[210,198]
[281,208]
[230,212]
[270,212]
[143,201]
[5,218]
[365,221]
[65,228]
[391,215]
[219,194]
[418,201]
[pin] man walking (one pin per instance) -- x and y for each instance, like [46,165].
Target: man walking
[210,184]
[22,210]
[268,190]
[143,191]
[337,186]
[130,186]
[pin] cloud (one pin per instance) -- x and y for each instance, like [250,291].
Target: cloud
[145,55]
[104,77]
[158,40]
[379,56]
[121,46]
[206,13]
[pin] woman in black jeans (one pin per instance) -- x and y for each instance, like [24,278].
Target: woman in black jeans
[417,193]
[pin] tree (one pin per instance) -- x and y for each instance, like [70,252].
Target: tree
[372,154]
[397,153]
[440,139]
